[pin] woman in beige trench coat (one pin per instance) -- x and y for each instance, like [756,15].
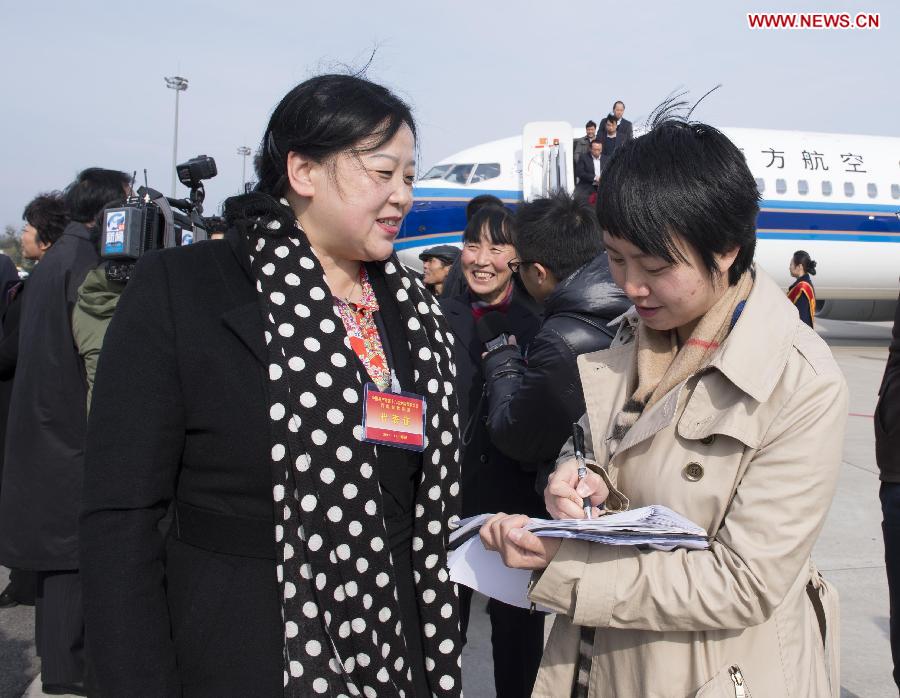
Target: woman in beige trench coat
[719,403]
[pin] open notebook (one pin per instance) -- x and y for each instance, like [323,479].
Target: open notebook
[654,526]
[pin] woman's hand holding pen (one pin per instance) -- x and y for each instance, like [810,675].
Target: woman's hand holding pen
[564,495]
[518,548]
[564,498]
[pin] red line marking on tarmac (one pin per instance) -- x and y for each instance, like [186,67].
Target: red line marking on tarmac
[857,414]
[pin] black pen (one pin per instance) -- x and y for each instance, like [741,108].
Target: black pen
[578,444]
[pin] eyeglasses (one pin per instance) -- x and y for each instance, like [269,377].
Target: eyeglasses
[515,264]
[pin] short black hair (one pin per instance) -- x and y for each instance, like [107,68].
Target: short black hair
[92,190]
[324,116]
[590,123]
[611,118]
[479,202]
[496,220]
[618,101]
[684,178]
[559,232]
[46,213]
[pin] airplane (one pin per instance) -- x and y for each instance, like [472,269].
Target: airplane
[836,196]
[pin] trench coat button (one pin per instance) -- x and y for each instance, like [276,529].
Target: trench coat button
[483,458]
[693,471]
[707,440]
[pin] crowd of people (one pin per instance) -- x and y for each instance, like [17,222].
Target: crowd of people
[593,151]
[237,474]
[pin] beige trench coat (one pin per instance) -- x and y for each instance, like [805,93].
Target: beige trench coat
[750,451]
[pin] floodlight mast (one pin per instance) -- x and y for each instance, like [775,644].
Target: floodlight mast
[179,84]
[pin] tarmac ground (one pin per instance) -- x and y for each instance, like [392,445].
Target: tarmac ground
[849,552]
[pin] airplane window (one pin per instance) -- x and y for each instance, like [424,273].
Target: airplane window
[802,186]
[760,184]
[872,190]
[437,172]
[780,186]
[848,188]
[459,174]
[826,188]
[486,170]
[895,191]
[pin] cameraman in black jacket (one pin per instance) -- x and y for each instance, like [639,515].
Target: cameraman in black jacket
[533,402]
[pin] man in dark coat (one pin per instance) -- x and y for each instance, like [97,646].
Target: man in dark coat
[587,170]
[8,273]
[45,221]
[40,499]
[436,264]
[8,278]
[624,128]
[887,453]
[21,587]
[609,136]
[532,404]
[582,145]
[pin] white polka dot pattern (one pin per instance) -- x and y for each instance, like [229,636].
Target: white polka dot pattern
[339,641]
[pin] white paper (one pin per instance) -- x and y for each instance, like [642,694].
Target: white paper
[650,525]
[483,570]
[656,527]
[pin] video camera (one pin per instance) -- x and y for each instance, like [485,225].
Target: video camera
[150,220]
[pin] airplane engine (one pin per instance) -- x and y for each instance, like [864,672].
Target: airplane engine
[856,310]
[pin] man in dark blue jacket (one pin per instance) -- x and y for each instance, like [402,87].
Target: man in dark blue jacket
[533,401]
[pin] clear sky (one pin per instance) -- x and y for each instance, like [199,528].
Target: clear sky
[83,82]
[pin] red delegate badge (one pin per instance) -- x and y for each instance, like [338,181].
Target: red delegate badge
[394,419]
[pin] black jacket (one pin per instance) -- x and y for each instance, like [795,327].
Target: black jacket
[491,481]
[180,413]
[580,146]
[887,413]
[44,455]
[625,131]
[533,403]
[9,353]
[610,147]
[802,300]
[584,171]
[177,413]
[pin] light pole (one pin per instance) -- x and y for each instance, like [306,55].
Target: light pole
[243,151]
[178,84]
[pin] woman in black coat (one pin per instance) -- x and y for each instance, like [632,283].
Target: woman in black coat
[492,482]
[801,293]
[43,440]
[303,558]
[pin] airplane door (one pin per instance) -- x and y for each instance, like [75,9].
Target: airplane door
[547,164]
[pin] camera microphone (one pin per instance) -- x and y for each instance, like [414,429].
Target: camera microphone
[493,330]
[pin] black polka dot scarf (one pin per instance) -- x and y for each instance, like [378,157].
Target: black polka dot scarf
[342,627]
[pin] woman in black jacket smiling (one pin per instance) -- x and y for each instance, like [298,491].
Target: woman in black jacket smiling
[491,481]
[304,559]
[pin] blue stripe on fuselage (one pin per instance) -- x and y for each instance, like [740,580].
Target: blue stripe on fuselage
[436,220]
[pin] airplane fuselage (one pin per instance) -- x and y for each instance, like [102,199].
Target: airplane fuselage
[836,196]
